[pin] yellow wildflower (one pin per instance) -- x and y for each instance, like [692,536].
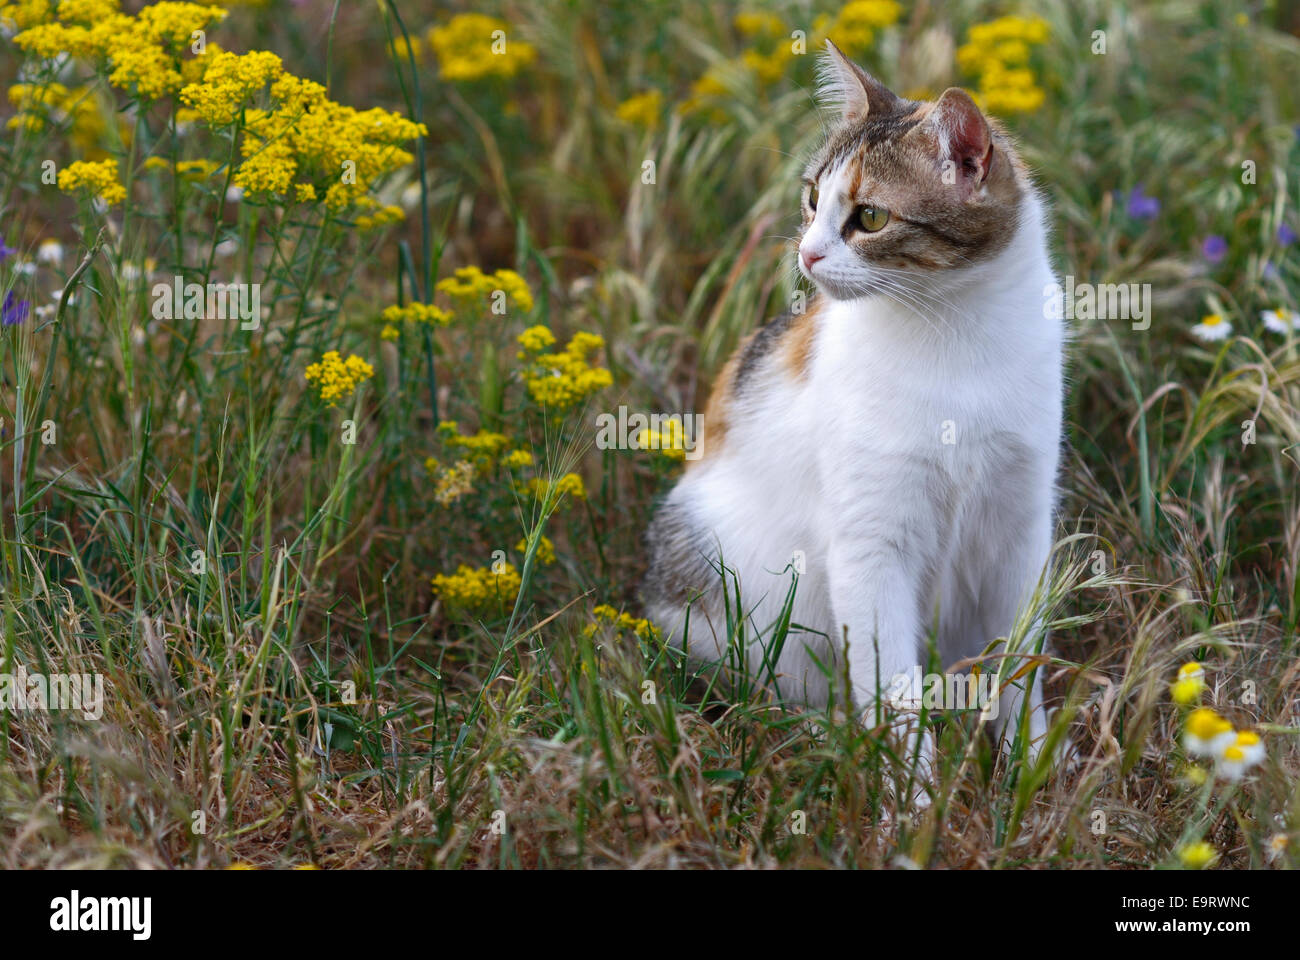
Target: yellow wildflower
[559,381]
[468,284]
[172,24]
[484,446]
[758,24]
[96,177]
[545,551]
[229,84]
[853,29]
[1189,685]
[998,52]
[337,379]
[416,313]
[536,339]
[518,459]
[23,14]
[1206,733]
[668,441]
[453,482]
[481,590]
[1197,856]
[642,627]
[401,47]
[641,110]
[472,46]
[568,485]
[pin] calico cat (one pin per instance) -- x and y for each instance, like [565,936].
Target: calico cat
[899,439]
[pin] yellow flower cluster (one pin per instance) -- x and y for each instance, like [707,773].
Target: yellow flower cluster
[545,554]
[605,614]
[518,459]
[144,52]
[705,91]
[478,591]
[558,381]
[768,67]
[998,53]
[194,171]
[752,24]
[451,483]
[669,441]
[401,47]
[381,217]
[393,316]
[641,110]
[535,339]
[95,177]
[229,83]
[39,105]
[569,485]
[468,284]
[765,30]
[322,149]
[853,28]
[483,447]
[337,379]
[768,58]
[472,46]
[23,14]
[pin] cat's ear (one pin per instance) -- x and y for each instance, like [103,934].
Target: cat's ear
[846,87]
[964,139]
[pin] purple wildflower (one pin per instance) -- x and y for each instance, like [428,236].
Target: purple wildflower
[1285,235]
[1142,207]
[13,311]
[1214,248]
[6,251]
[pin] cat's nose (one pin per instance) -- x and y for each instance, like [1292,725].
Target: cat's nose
[810,258]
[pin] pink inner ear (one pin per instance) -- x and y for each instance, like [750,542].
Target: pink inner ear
[965,132]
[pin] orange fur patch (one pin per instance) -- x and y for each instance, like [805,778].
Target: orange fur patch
[796,346]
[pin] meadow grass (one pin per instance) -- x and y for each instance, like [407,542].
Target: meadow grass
[247,559]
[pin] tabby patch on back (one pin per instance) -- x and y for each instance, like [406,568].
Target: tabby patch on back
[894,448]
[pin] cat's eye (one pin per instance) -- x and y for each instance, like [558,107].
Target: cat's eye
[872,218]
[812,195]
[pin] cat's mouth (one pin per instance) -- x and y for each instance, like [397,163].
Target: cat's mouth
[838,289]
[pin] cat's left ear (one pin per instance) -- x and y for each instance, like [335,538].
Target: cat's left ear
[964,138]
[843,85]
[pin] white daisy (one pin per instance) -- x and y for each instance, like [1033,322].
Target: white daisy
[1251,747]
[1212,327]
[1207,734]
[1280,320]
[50,251]
[1239,757]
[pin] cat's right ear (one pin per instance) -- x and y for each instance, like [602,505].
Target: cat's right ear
[846,87]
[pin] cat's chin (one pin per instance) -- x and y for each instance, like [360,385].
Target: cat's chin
[859,291]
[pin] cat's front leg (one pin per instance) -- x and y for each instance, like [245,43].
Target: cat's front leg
[874,600]
[1010,597]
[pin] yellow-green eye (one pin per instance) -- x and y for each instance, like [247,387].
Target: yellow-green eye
[872,219]
[812,196]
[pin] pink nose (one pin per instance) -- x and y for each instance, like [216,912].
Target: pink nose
[810,258]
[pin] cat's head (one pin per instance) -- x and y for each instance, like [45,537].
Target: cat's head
[903,191]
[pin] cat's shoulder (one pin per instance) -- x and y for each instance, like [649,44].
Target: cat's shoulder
[777,353]
[785,338]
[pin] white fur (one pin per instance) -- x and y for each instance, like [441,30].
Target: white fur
[901,532]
